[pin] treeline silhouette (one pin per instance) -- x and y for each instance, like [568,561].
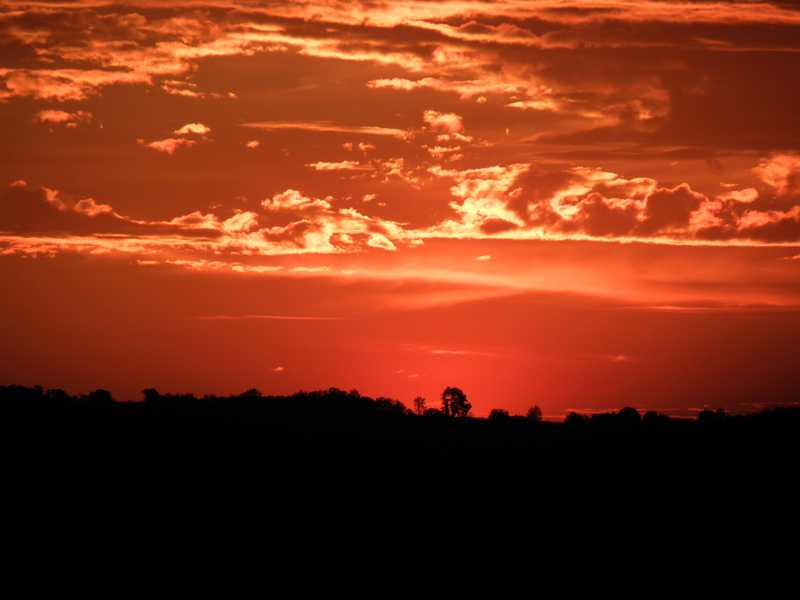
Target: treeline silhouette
[334,420]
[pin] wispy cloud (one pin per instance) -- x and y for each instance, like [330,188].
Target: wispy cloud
[448,352]
[266,318]
[328,127]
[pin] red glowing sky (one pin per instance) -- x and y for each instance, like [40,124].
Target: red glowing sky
[580,205]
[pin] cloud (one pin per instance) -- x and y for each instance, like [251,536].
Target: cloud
[64,84]
[241,222]
[442,151]
[267,318]
[168,145]
[771,225]
[380,169]
[45,222]
[667,209]
[546,104]
[327,127]
[466,89]
[193,128]
[60,117]
[494,48]
[90,208]
[781,171]
[188,89]
[482,198]
[378,240]
[522,201]
[485,48]
[344,165]
[443,122]
[294,200]
[744,196]
[171,144]
[27,209]
[592,123]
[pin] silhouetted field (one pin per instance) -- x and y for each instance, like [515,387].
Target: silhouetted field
[330,424]
[324,461]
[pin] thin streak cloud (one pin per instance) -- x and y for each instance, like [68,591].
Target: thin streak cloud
[265,318]
[328,127]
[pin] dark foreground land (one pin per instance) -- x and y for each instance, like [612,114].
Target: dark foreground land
[333,424]
[181,458]
[321,465]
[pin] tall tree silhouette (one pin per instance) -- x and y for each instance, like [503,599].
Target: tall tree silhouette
[419,405]
[454,402]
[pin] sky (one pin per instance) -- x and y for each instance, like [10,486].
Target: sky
[579,205]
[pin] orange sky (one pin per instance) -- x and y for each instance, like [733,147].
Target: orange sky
[581,205]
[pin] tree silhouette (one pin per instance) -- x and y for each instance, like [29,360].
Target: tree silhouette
[574,419]
[98,398]
[499,415]
[419,405]
[454,402]
[708,416]
[630,416]
[535,413]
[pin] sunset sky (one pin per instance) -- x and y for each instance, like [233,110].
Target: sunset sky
[576,204]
